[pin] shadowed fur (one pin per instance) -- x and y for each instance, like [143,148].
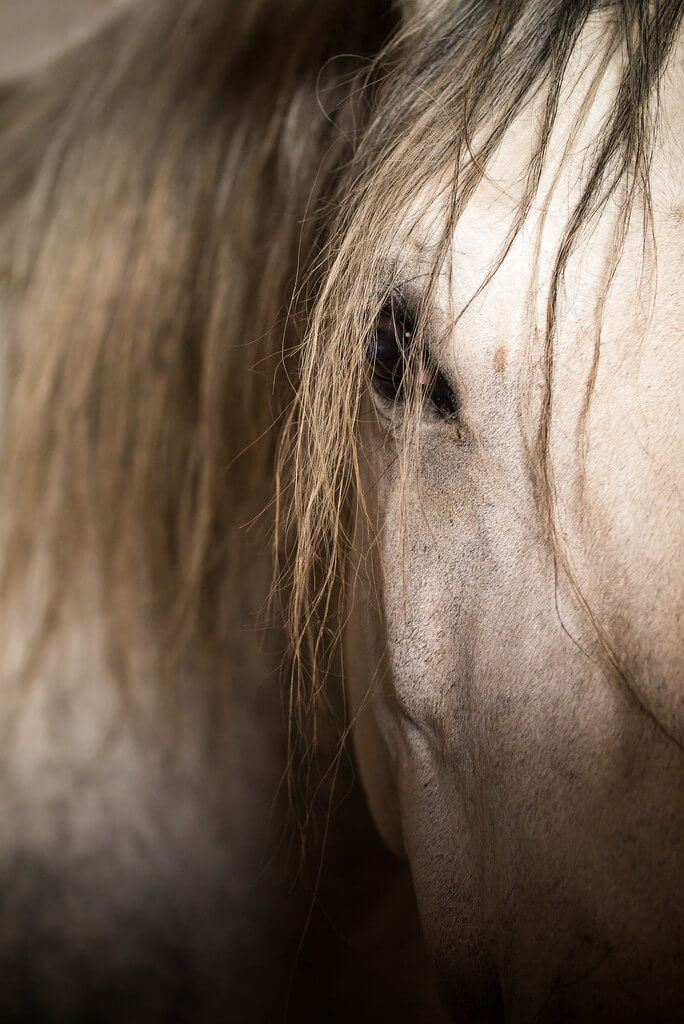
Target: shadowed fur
[161,190]
[153,226]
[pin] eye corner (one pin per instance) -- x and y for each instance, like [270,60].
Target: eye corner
[444,398]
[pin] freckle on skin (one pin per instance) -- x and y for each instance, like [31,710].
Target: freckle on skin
[500,359]
[677,213]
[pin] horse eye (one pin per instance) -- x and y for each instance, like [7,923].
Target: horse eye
[393,364]
[387,355]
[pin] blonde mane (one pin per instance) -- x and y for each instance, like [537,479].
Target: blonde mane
[160,192]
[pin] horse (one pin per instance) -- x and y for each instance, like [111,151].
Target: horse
[479,482]
[163,188]
[391,293]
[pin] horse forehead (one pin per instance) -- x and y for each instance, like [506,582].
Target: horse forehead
[503,325]
[520,286]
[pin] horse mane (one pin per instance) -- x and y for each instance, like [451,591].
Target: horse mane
[163,190]
[459,75]
[160,193]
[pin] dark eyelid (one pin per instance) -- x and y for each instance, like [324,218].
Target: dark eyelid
[443,398]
